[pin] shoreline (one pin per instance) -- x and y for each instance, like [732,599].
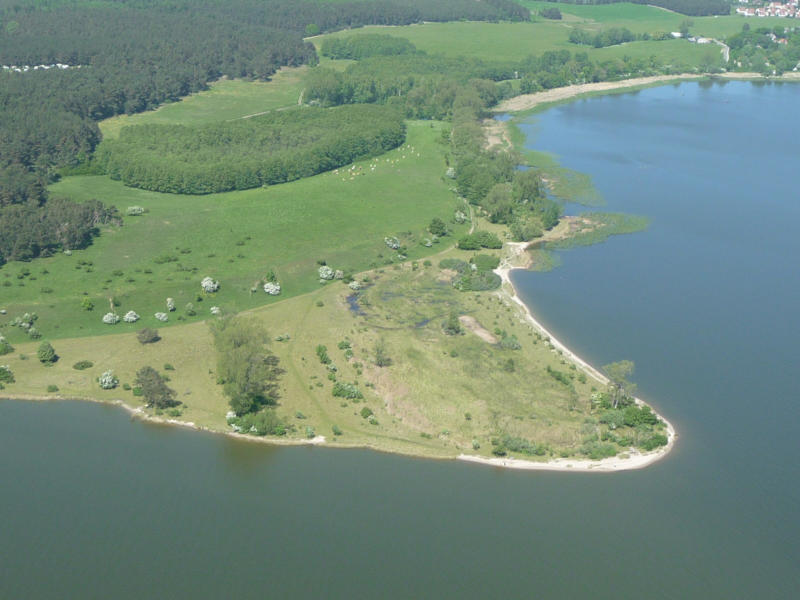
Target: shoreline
[517,259]
[529,102]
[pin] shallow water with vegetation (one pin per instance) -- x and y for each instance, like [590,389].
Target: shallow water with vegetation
[94,505]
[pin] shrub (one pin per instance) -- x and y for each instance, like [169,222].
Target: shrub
[478,240]
[452,326]
[87,304]
[485,262]
[52,389]
[6,375]
[437,227]
[147,336]
[209,285]
[310,431]
[454,264]
[382,358]
[322,354]
[347,390]
[108,381]
[265,422]
[190,311]
[5,347]
[272,288]
[653,442]
[110,318]
[598,450]
[479,281]
[46,354]
[82,365]
[336,430]
[168,367]
[510,342]
[366,412]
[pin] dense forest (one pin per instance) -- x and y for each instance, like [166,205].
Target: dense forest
[694,8]
[236,155]
[427,87]
[130,56]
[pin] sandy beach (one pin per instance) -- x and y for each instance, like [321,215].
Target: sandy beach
[530,101]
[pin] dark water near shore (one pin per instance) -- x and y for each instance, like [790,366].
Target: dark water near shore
[93,505]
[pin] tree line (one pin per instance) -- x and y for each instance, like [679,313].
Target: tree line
[274,148]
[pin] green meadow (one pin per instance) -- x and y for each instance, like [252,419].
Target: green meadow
[641,18]
[341,217]
[516,41]
[497,377]
[225,99]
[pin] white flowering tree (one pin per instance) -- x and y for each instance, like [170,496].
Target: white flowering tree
[135,211]
[216,310]
[354,285]
[209,285]
[392,242]
[326,273]
[161,316]
[110,318]
[108,381]
[170,305]
[130,317]
[6,375]
[272,288]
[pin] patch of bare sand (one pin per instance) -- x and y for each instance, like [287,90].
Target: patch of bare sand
[528,101]
[472,324]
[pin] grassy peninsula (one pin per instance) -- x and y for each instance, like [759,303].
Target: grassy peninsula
[363,301]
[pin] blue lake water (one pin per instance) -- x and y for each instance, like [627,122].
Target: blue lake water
[93,505]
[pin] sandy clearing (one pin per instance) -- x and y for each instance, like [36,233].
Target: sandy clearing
[472,324]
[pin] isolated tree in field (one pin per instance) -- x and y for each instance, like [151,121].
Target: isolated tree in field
[147,335]
[154,389]
[246,368]
[46,354]
[437,227]
[619,387]
[453,326]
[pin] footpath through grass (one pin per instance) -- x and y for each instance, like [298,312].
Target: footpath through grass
[341,217]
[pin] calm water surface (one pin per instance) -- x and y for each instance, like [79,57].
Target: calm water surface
[93,505]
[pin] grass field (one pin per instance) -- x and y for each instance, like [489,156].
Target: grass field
[515,41]
[235,238]
[640,18]
[226,99]
[405,307]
